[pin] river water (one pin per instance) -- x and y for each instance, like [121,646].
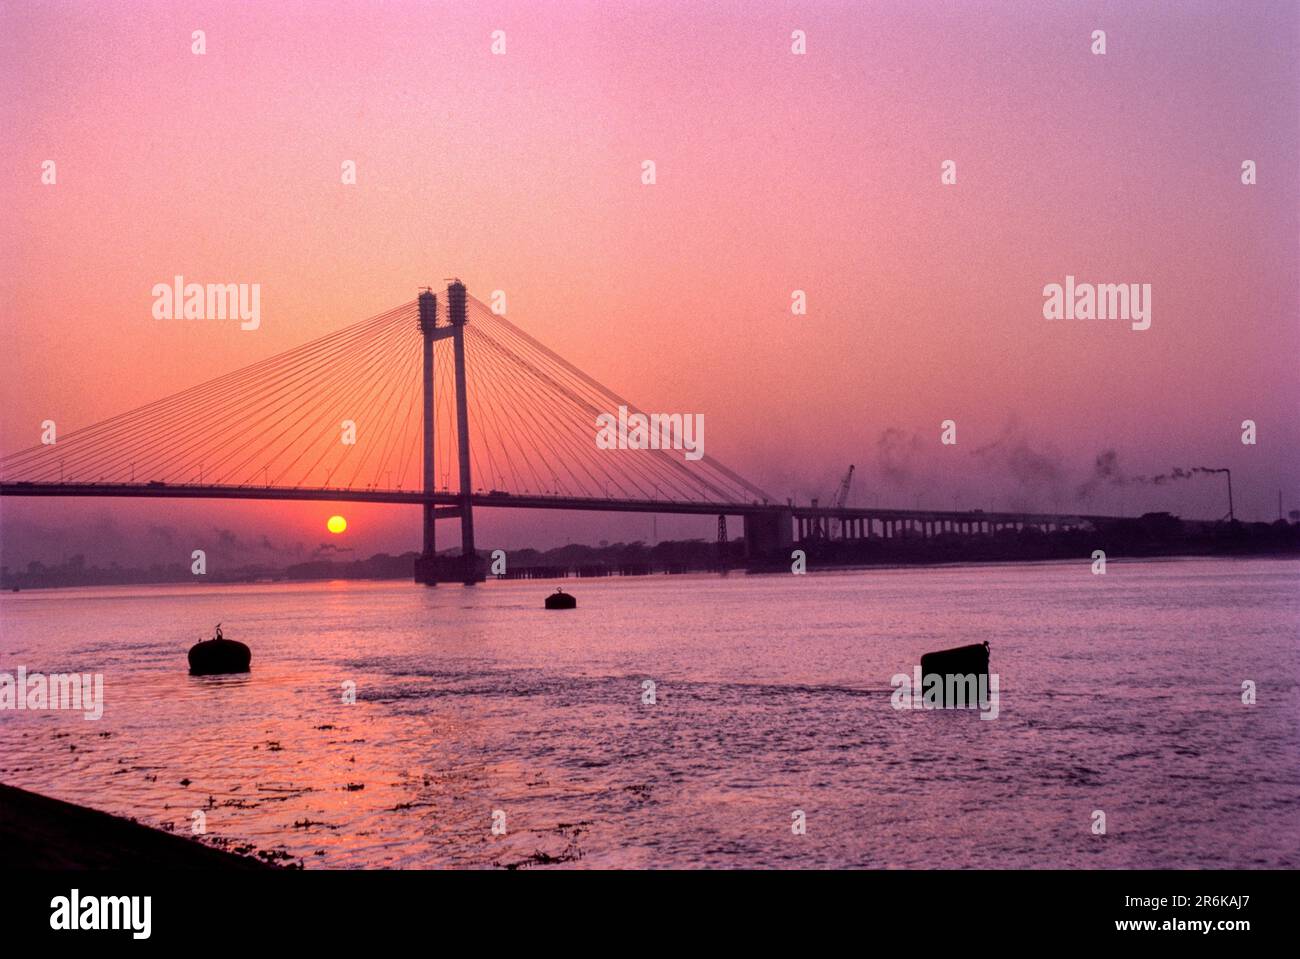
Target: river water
[1119,694]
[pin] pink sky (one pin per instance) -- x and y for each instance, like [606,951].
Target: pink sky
[775,172]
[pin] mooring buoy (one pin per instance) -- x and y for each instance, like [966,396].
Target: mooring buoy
[561,600]
[211,657]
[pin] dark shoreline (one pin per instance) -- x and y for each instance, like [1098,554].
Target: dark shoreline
[1148,536]
[40,833]
[848,564]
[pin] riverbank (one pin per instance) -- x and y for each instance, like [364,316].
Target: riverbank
[37,832]
[1155,536]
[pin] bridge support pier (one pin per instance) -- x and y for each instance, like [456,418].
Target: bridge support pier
[767,534]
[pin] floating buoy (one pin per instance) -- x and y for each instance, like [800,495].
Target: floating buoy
[958,661]
[211,657]
[972,660]
[561,600]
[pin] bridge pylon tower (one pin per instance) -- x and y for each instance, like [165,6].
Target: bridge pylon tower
[426,564]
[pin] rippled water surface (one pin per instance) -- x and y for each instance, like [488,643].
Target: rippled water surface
[1120,693]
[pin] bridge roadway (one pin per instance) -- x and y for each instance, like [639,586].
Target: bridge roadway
[858,522]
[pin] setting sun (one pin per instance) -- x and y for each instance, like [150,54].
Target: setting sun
[336,524]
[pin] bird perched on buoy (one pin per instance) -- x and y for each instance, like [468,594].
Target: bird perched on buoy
[561,600]
[211,657]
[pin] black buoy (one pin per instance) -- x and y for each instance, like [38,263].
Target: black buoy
[211,657]
[561,600]
[961,661]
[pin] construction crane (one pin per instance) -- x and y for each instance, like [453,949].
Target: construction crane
[840,498]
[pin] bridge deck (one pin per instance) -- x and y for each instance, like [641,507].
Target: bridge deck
[515,501]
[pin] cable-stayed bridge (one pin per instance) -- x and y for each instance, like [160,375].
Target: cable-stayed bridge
[442,403]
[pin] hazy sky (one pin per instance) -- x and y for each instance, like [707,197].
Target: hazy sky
[775,172]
